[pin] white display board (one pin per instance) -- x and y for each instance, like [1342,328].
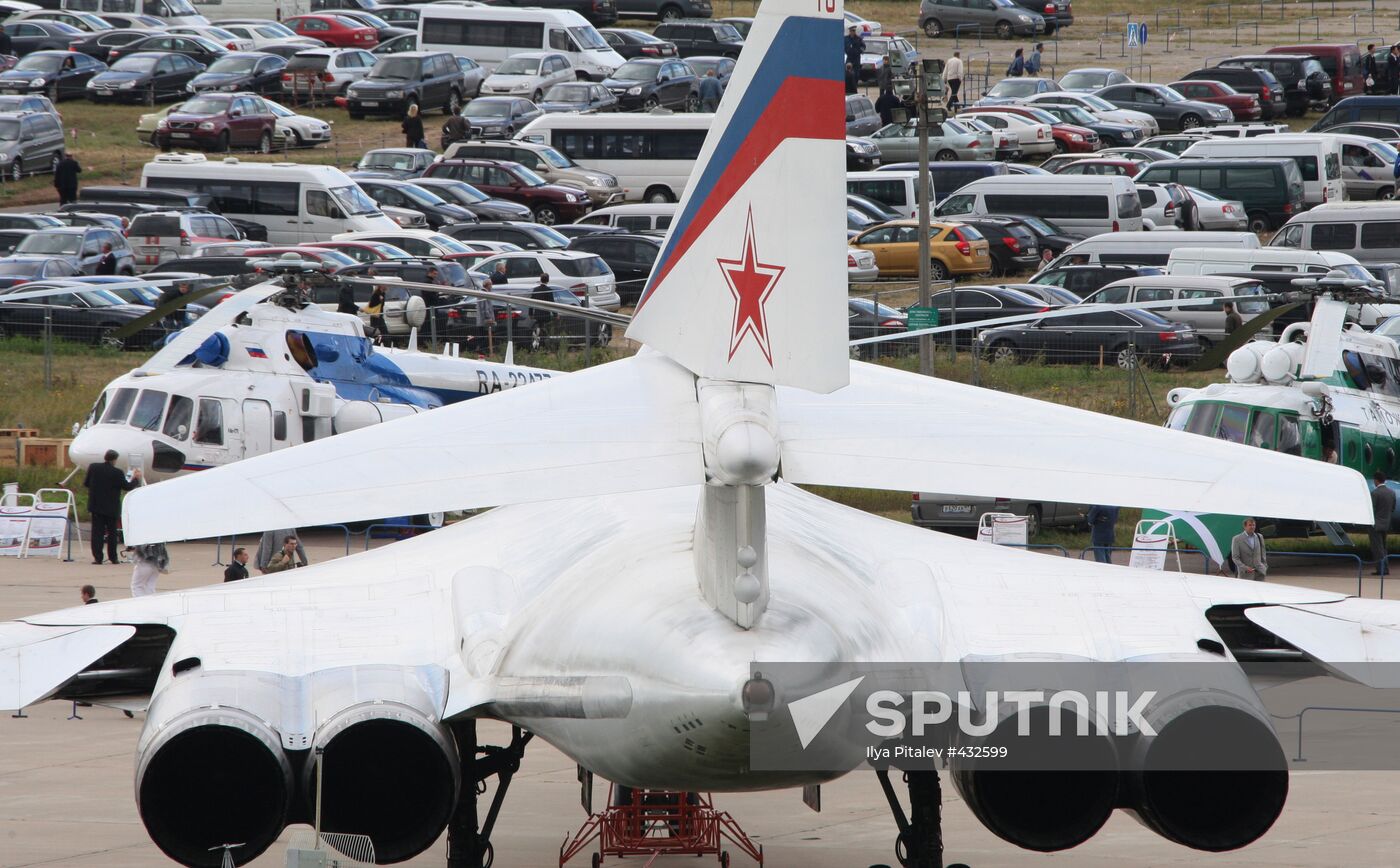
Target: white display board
[37,530]
[1149,552]
[1003,529]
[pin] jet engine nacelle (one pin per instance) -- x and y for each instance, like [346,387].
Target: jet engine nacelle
[211,769]
[1214,777]
[391,770]
[353,415]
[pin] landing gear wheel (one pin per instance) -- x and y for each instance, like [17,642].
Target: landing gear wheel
[595,860]
[919,843]
[469,839]
[724,859]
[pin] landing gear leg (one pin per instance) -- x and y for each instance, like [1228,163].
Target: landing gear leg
[920,841]
[468,839]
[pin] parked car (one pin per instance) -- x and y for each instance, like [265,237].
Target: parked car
[146,77]
[648,83]
[1002,17]
[397,163]
[398,45]
[1035,138]
[862,155]
[1259,82]
[266,34]
[868,319]
[1125,338]
[1171,110]
[32,222]
[1050,238]
[631,44]
[894,52]
[1011,245]
[723,67]
[401,194]
[297,131]
[698,36]
[84,21]
[529,74]
[875,210]
[333,30]
[1013,90]
[1084,280]
[500,117]
[1340,60]
[383,30]
[1271,189]
[954,249]
[980,303]
[1242,106]
[580,273]
[962,514]
[1099,166]
[578,96]
[129,21]
[547,162]
[159,236]
[29,103]
[228,39]
[1200,308]
[550,203]
[80,246]
[196,48]
[545,329]
[99,46]
[252,71]
[1305,83]
[1099,107]
[1373,130]
[325,71]
[501,237]
[56,74]
[1091,78]
[1068,138]
[1214,213]
[950,140]
[85,315]
[30,36]
[1108,133]
[29,143]
[1054,296]
[422,243]
[218,121]
[428,79]
[630,257]
[483,206]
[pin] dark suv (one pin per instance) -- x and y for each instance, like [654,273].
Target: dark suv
[696,37]
[1305,82]
[631,258]
[1244,79]
[666,10]
[650,83]
[431,79]
[550,203]
[29,142]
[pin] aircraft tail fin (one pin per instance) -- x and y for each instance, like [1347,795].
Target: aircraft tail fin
[748,285]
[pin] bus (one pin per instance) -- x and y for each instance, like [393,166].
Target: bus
[652,155]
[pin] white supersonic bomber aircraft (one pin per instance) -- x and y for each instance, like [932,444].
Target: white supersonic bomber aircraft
[650,545]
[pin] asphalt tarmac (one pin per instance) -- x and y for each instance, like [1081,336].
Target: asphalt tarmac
[66,785]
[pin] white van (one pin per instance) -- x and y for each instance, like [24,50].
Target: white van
[1217,260]
[1319,159]
[1153,248]
[297,203]
[170,11]
[1369,231]
[895,188]
[644,217]
[651,155]
[1080,204]
[490,34]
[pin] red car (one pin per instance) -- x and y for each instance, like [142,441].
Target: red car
[219,121]
[364,251]
[1069,138]
[1095,166]
[1244,106]
[550,203]
[334,30]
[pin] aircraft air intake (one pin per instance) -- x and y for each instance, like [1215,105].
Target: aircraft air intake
[1056,807]
[391,773]
[214,776]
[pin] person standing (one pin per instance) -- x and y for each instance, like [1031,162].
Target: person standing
[1383,505]
[286,557]
[105,484]
[1248,552]
[1369,65]
[65,178]
[711,91]
[238,569]
[108,263]
[1233,320]
[953,77]
[1103,527]
[375,311]
[854,47]
[886,105]
[271,543]
[1033,65]
[1018,64]
[345,300]
[1392,69]
[852,79]
[412,127]
[455,129]
[7,45]
[149,562]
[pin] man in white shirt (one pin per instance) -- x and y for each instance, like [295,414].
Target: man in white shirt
[952,77]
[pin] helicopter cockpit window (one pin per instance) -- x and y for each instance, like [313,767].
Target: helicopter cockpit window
[149,409]
[97,409]
[1261,432]
[1289,440]
[177,421]
[210,429]
[120,407]
[1232,424]
[1177,420]
[1203,420]
[302,351]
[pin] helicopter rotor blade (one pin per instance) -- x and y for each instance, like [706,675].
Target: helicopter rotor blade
[164,310]
[1217,354]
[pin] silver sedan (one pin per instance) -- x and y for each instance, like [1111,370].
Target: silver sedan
[950,140]
[1214,213]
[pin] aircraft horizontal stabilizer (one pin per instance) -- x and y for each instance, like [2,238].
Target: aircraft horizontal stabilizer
[631,425]
[895,430]
[1357,639]
[35,661]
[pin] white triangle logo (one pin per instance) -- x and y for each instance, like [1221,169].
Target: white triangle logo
[811,713]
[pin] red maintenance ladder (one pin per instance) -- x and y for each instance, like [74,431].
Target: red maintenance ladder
[659,822]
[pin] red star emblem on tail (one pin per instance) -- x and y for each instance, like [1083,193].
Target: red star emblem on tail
[750,282]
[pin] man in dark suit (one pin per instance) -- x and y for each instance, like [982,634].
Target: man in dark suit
[105,484]
[65,179]
[1383,505]
[239,568]
[108,263]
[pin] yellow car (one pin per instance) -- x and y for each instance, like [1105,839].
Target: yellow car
[954,249]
